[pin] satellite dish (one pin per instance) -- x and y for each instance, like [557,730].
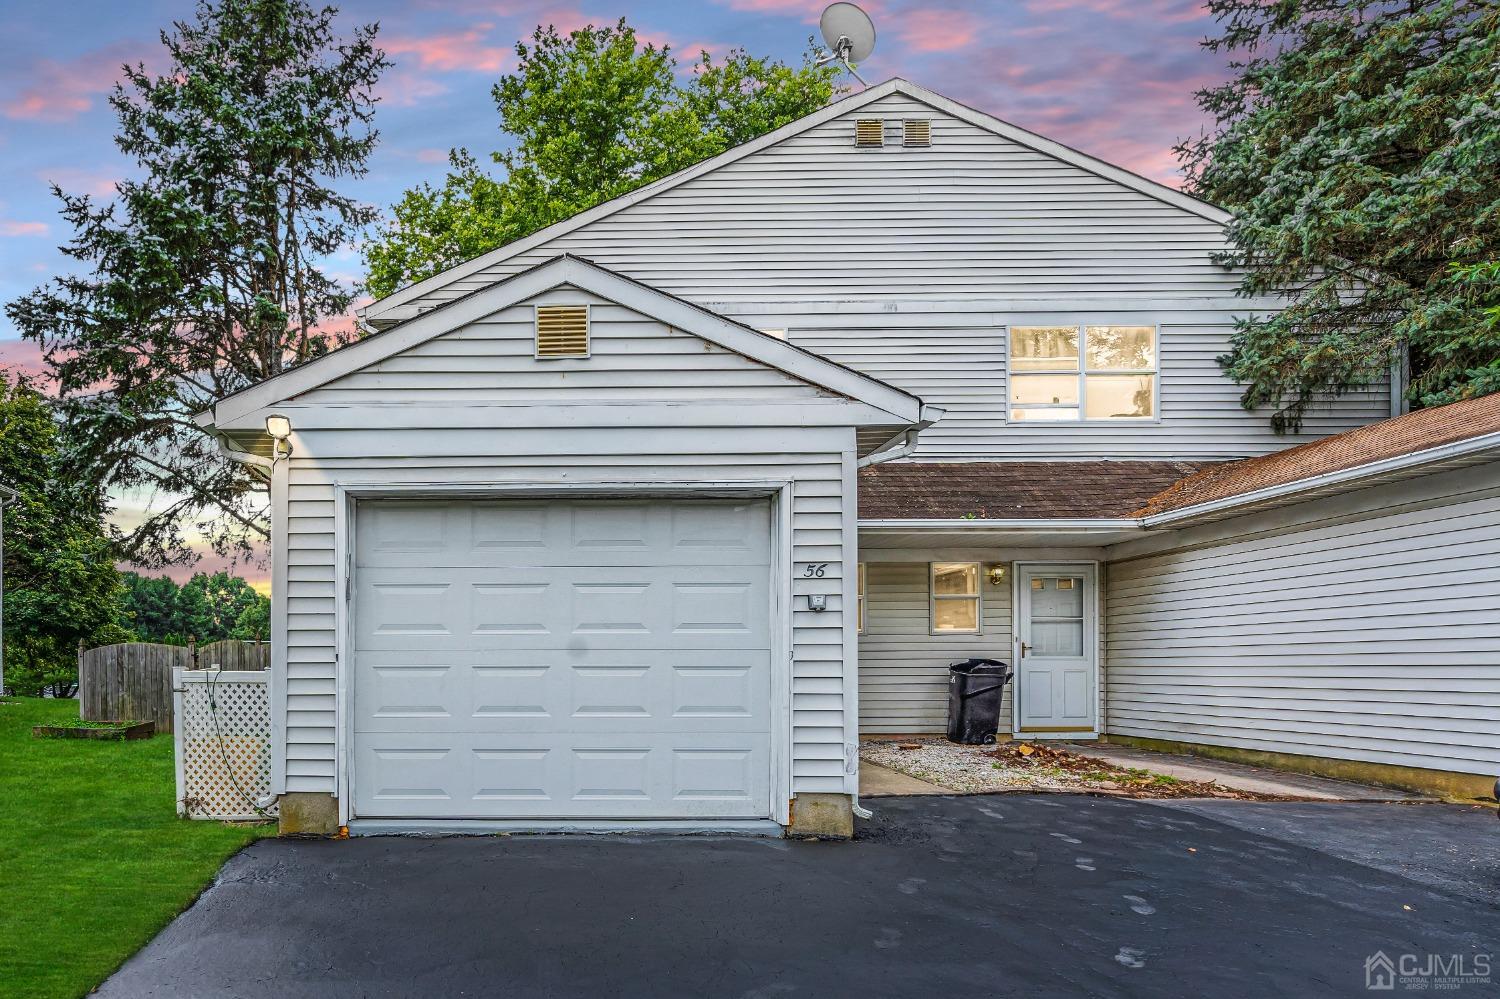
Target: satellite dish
[849,34]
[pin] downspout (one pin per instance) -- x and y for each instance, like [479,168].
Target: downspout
[255,461]
[929,415]
[906,447]
[891,452]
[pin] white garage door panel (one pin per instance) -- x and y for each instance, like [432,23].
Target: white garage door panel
[630,691]
[420,534]
[589,607]
[565,775]
[562,659]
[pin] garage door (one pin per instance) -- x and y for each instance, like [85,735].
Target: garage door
[594,660]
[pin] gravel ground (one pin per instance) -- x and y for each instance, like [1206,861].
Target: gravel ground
[1034,767]
[962,768]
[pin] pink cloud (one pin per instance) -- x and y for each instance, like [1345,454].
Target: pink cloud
[938,30]
[24,357]
[431,155]
[10,228]
[464,51]
[1154,11]
[773,6]
[63,90]
[406,89]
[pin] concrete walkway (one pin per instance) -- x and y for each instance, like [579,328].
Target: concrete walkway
[1241,777]
[876,781]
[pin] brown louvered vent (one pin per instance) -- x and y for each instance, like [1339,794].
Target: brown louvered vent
[562,331]
[869,132]
[916,132]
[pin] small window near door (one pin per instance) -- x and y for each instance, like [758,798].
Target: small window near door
[859,601]
[954,593]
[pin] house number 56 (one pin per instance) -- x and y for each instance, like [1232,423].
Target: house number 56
[815,570]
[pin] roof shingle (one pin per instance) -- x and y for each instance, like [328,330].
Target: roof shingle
[1013,490]
[1393,438]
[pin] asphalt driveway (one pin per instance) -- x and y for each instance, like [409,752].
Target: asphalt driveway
[1019,895]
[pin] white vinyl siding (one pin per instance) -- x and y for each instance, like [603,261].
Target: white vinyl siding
[903,667]
[473,406]
[910,264]
[952,359]
[1360,627]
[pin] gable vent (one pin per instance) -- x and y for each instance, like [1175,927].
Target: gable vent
[562,331]
[869,132]
[916,132]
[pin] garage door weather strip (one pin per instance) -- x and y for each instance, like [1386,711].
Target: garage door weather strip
[490,827]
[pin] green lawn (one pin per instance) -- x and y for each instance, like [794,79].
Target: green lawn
[93,858]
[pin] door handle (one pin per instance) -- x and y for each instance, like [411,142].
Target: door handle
[1025,650]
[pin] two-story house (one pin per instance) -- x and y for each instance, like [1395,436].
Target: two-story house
[647,517]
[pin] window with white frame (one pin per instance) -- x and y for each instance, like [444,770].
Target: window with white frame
[859,600]
[954,597]
[1084,372]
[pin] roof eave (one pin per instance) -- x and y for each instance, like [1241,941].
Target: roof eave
[1035,524]
[1341,480]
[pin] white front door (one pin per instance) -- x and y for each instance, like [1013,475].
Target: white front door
[562,659]
[1057,690]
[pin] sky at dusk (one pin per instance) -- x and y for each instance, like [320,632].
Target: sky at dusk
[1114,78]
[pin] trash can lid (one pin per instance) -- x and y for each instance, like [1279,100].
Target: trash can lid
[979,667]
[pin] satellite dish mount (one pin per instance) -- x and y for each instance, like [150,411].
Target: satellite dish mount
[850,36]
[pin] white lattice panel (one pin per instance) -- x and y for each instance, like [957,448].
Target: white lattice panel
[223,722]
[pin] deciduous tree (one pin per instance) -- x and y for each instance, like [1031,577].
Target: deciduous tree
[592,115]
[61,586]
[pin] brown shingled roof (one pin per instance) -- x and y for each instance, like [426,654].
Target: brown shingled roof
[1013,490]
[1393,438]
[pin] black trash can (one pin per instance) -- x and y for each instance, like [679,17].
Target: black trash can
[975,687]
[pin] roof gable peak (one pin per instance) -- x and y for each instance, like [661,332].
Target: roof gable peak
[374,312]
[566,270]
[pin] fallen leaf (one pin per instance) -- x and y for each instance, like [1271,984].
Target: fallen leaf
[1025,750]
[1192,849]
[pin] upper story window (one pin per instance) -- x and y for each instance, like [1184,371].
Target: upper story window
[1072,373]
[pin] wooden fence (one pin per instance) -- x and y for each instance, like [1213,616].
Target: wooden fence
[134,680]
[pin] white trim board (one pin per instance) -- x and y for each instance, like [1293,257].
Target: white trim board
[386,306]
[247,408]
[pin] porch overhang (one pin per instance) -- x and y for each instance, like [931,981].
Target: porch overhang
[995,534]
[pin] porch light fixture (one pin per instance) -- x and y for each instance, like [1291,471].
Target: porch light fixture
[279,428]
[996,575]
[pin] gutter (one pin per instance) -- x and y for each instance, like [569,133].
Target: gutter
[1014,524]
[1416,459]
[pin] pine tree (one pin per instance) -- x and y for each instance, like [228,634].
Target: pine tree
[1358,146]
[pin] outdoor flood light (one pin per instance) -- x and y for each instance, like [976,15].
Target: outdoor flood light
[279,428]
[997,575]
